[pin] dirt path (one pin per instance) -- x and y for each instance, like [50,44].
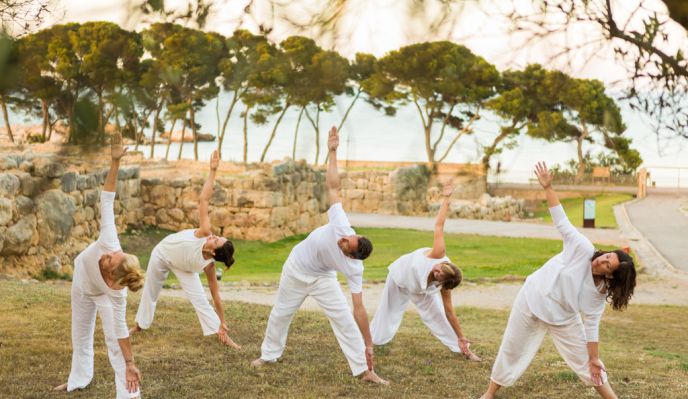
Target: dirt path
[651,290]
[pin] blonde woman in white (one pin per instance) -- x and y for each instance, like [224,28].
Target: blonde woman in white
[102,274]
[425,277]
[565,298]
[187,254]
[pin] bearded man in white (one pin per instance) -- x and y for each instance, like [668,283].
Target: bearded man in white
[311,270]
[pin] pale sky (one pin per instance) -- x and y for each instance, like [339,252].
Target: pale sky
[377,26]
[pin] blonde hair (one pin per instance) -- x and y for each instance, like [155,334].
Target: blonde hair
[453,276]
[128,273]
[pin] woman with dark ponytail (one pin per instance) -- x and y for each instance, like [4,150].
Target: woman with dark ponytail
[187,254]
[565,298]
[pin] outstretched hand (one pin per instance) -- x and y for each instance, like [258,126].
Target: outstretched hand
[224,338]
[370,357]
[333,139]
[214,160]
[596,369]
[117,150]
[464,345]
[448,189]
[544,175]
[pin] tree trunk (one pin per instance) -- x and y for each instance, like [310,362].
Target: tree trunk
[581,161]
[296,134]
[274,132]
[46,118]
[491,150]
[221,137]
[181,143]
[6,117]
[169,139]
[192,117]
[155,128]
[101,127]
[315,123]
[246,135]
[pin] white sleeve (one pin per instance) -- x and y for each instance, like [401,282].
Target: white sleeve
[355,283]
[591,313]
[108,229]
[119,310]
[336,216]
[568,232]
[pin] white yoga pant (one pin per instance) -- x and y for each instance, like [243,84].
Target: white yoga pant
[393,304]
[293,290]
[191,284]
[523,337]
[84,310]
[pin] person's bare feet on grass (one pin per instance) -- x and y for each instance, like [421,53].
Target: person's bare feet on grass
[370,376]
[135,329]
[259,363]
[62,387]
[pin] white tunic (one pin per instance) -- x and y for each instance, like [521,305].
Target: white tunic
[320,255]
[411,271]
[183,251]
[87,276]
[564,287]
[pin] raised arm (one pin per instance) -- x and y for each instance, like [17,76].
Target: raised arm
[332,177]
[559,218]
[204,228]
[117,151]
[108,229]
[545,177]
[438,247]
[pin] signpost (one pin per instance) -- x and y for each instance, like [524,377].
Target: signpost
[589,212]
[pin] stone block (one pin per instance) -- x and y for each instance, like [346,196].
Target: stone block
[161,217]
[7,162]
[46,167]
[9,185]
[18,237]
[86,182]
[55,221]
[5,211]
[68,182]
[163,196]
[279,216]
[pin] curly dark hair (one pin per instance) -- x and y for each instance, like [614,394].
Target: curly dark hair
[620,287]
[365,247]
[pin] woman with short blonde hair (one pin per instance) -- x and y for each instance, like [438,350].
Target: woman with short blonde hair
[102,274]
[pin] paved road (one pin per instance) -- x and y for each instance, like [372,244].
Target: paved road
[483,227]
[659,218]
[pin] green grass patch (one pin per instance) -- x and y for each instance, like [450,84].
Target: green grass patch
[479,257]
[604,212]
[176,361]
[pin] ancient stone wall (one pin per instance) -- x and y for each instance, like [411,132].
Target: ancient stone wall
[261,205]
[49,213]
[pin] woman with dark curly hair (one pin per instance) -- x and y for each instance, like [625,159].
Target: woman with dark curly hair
[187,253]
[565,297]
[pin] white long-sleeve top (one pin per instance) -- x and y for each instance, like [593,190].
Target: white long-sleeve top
[411,271]
[87,276]
[564,288]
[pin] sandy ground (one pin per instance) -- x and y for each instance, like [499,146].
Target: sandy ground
[669,289]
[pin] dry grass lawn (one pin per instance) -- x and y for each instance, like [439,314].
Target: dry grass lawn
[644,349]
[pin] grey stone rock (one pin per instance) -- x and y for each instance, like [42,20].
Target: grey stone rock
[151,182]
[9,184]
[69,182]
[131,172]
[55,211]
[18,237]
[46,167]
[7,162]
[85,182]
[3,233]
[25,205]
[91,197]
[219,197]
[5,211]
[31,186]
[180,182]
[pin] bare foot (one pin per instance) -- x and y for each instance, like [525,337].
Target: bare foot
[370,376]
[487,396]
[135,329]
[260,363]
[62,387]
